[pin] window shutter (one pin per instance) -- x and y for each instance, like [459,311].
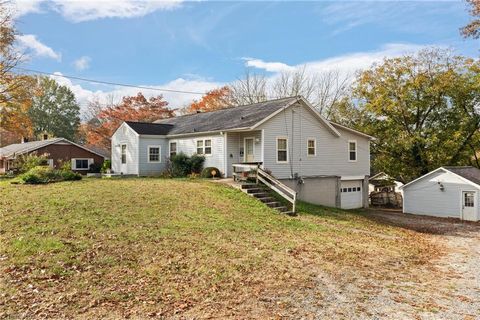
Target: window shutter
[73,164]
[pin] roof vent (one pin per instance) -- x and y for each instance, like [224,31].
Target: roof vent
[199,111]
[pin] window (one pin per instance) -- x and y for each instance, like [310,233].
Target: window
[124,153]
[352,151]
[204,147]
[173,149]
[81,164]
[311,146]
[282,147]
[153,153]
[468,200]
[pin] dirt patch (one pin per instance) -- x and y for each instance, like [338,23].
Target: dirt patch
[446,288]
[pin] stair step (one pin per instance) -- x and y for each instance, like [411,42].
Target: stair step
[266,199]
[290,213]
[254,190]
[248,185]
[274,204]
[259,195]
[281,209]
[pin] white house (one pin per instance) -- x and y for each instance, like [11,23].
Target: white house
[326,163]
[382,181]
[444,192]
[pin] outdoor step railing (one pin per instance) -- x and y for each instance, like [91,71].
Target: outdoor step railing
[260,175]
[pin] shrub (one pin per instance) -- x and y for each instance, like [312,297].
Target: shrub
[70,176]
[196,162]
[30,161]
[40,174]
[182,165]
[94,168]
[107,164]
[207,172]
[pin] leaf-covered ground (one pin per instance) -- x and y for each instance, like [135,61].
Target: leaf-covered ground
[177,248]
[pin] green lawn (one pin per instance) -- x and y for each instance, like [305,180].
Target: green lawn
[154,247]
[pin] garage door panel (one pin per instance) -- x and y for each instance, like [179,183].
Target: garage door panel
[351,194]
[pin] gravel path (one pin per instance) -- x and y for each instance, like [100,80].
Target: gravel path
[449,288]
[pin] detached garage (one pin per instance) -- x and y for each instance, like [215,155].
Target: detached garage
[445,192]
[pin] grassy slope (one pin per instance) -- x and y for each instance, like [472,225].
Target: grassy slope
[152,246]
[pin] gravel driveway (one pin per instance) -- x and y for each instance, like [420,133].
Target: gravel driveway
[446,288]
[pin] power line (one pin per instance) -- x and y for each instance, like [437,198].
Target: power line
[108,82]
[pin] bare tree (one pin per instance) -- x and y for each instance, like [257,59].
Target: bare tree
[473,28]
[322,89]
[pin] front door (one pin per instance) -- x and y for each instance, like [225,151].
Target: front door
[469,205]
[249,154]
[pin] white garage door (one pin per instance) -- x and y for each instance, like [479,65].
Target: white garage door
[351,194]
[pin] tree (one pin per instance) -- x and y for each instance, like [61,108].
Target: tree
[54,110]
[99,129]
[214,100]
[423,110]
[473,28]
[15,90]
[321,89]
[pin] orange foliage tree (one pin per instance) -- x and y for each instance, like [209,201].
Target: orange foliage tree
[98,130]
[214,100]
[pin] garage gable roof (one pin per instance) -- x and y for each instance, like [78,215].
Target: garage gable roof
[469,174]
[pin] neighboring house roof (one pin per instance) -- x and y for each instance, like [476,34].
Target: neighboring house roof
[467,173]
[13,150]
[149,128]
[240,117]
[99,150]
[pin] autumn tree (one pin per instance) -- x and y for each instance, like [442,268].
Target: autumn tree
[54,110]
[105,120]
[423,110]
[15,90]
[473,28]
[215,99]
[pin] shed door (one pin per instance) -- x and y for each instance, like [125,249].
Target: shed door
[469,205]
[351,194]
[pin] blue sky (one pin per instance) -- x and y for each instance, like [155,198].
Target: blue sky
[197,46]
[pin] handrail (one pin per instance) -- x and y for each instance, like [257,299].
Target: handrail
[270,181]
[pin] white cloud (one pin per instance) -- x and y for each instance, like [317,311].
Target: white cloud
[176,100]
[267,66]
[24,7]
[30,41]
[347,64]
[82,63]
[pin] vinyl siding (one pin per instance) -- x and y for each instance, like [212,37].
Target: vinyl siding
[425,197]
[125,135]
[148,168]
[189,147]
[332,158]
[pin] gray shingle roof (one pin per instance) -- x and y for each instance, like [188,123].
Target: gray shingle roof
[149,128]
[225,119]
[470,173]
[19,148]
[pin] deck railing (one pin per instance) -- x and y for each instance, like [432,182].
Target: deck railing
[254,171]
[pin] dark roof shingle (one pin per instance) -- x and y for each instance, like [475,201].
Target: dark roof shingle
[470,173]
[149,128]
[225,119]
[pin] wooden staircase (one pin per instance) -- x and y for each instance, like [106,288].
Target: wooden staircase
[262,194]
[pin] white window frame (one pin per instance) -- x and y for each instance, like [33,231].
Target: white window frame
[356,150]
[121,153]
[203,147]
[245,148]
[159,153]
[74,164]
[286,148]
[314,147]
[170,148]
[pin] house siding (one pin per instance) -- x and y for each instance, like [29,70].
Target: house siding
[146,168]
[425,197]
[331,151]
[188,146]
[125,135]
